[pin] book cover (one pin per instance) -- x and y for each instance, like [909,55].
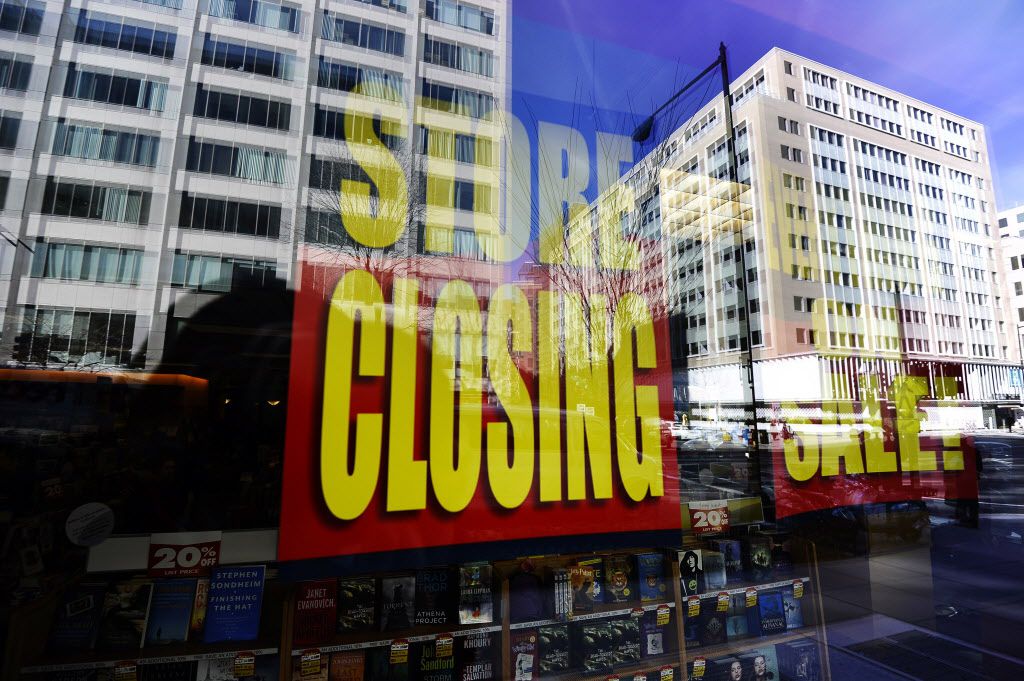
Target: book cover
[735,627]
[656,639]
[234,603]
[592,647]
[714,570]
[597,565]
[691,629]
[125,612]
[728,668]
[476,602]
[732,555]
[316,611]
[650,569]
[523,654]
[429,665]
[434,596]
[713,626]
[625,632]
[760,664]
[198,619]
[561,594]
[78,618]
[758,561]
[526,595]
[772,612]
[477,657]
[398,602]
[553,648]
[356,604]
[793,607]
[349,665]
[170,614]
[799,660]
[691,574]
[581,580]
[618,579]
[168,671]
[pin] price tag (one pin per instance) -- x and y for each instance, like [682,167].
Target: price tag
[399,651]
[309,663]
[639,676]
[709,517]
[667,673]
[699,665]
[183,554]
[723,601]
[693,606]
[751,598]
[126,670]
[245,664]
[636,612]
[443,645]
[798,588]
[662,615]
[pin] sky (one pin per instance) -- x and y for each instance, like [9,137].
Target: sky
[629,55]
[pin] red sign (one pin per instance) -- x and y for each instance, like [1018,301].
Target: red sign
[399,438]
[183,554]
[841,458]
[708,517]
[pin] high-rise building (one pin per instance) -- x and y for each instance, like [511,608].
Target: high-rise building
[869,246]
[160,153]
[1011,240]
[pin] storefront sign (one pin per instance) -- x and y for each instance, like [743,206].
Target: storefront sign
[709,517]
[183,554]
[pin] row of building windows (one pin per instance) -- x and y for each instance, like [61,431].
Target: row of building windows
[82,262]
[337,125]
[258,13]
[456,13]
[872,97]
[247,58]
[14,72]
[105,144]
[106,87]
[827,136]
[923,138]
[67,335]
[371,82]
[876,122]
[927,167]
[22,17]
[455,146]
[883,178]
[459,57]
[349,31]
[94,28]
[229,216]
[829,163]
[94,201]
[451,99]
[234,107]
[880,152]
[221,274]
[254,164]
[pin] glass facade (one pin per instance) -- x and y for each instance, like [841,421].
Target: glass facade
[394,340]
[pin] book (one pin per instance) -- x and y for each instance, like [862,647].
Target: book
[799,660]
[170,614]
[168,671]
[434,596]
[477,657]
[713,625]
[581,580]
[735,627]
[618,579]
[602,644]
[349,665]
[597,565]
[714,570]
[793,607]
[218,669]
[316,612]
[198,619]
[650,570]
[523,654]
[561,593]
[726,668]
[758,558]
[125,613]
[655,639]
[234,604]
[732,556]
[476,602]
[356,604]
[78,618]
[625,633]
[760,664]
[691,573]
[553,648]
[691,628]
[772,612]
[398,602]
[429,665]
[526,595]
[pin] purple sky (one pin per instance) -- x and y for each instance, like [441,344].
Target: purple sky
[627,54]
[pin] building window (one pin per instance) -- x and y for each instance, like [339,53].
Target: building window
[103,30]
[1015,263]
[22,17]
[460,57]
[72,336]
[348,31]
[80,262]
[229,216]
[372,82]
[258,12]
[107,203]
[331,124]
[456,100]
[788,67]
[109,87]
[105,144]
[247,58]
[222,274]
[459,14]
[239,108]
[14,72]
[244,162]
[9,127]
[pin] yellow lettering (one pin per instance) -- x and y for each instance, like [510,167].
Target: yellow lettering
[407,478]
[549,397]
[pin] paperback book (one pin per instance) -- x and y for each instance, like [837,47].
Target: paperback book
[597,565]
[618,579]
[434,596]
[523,645]
[581,580]
[316,611]
[477,657]
[691,572]
[398,602]
[170,614]
[772,612]
[758,562]
[125,613]
[713,625]
[198,619]
[650,568]
[431,663]
[793,607]
[233,608]
[476,601]
[356,604]
[78,618]
[553,648]
[732,556]
[715,577]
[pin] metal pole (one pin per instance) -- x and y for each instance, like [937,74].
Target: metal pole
[730,145]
